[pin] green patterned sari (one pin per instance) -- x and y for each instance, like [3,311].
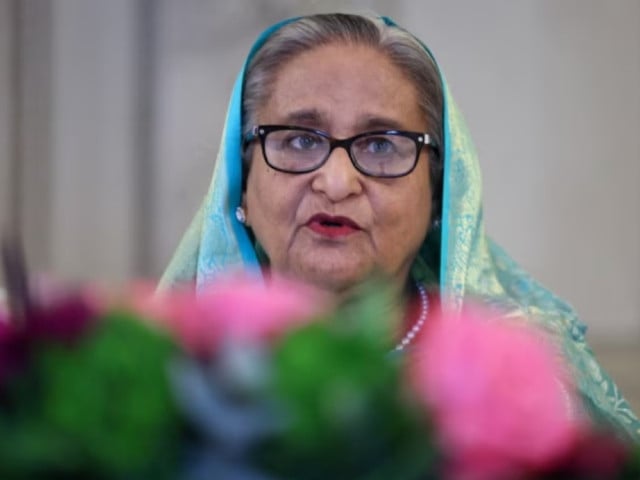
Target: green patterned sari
[458,255]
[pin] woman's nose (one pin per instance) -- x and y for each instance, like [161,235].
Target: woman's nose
[337,178]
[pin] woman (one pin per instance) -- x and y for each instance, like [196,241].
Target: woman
[344,154]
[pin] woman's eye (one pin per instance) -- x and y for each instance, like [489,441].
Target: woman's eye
[302,141]
[379,145]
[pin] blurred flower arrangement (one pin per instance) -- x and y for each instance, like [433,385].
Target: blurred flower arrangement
[265,381]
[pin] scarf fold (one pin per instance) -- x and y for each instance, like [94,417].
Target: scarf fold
[457,254]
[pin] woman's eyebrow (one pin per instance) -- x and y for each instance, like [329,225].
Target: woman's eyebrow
[305,117]
[379,123]
[314,118]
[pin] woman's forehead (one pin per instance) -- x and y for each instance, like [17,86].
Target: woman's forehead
[349,83]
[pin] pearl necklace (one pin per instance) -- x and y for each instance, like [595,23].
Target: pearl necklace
[424,310]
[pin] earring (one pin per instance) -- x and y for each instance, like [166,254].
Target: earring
[240,215]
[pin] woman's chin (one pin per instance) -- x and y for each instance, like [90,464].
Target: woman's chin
[339,283]
[335,282]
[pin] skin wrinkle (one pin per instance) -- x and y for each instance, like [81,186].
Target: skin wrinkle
[344,90]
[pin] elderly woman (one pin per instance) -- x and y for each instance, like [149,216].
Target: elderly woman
[343,155]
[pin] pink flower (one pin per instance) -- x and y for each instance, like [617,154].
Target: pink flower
[4,314]
[62,319]
[498,395]
[66,319]
[595,455]
[236,308]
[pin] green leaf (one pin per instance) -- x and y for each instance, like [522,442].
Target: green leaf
[343,392]
[109,397]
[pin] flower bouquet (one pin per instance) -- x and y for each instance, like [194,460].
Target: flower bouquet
[263,380]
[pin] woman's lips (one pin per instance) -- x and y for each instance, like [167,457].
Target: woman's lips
[332,226]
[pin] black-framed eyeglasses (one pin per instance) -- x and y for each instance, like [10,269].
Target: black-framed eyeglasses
[383,153]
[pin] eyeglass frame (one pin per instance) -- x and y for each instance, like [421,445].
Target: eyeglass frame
[260,132]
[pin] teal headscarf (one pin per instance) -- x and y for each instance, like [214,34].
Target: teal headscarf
[469,263]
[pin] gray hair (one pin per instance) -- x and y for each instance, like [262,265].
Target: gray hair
[402,48]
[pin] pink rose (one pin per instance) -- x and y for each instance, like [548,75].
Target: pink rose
[497,393]
[176,310]
[56,319]
[236,308]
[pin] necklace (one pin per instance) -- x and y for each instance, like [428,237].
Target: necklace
[424,310]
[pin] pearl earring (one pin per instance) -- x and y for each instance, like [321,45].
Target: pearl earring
[240,215]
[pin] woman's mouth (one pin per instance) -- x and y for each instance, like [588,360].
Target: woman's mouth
[332,226]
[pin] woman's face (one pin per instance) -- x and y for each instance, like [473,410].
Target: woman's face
[379,224]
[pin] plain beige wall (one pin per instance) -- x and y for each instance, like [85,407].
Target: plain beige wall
[549,88]
[93,203]
[6,48]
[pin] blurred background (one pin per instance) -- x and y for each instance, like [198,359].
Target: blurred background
[111,113]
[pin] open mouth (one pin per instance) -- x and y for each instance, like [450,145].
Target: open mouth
[331,223]
[332,226]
